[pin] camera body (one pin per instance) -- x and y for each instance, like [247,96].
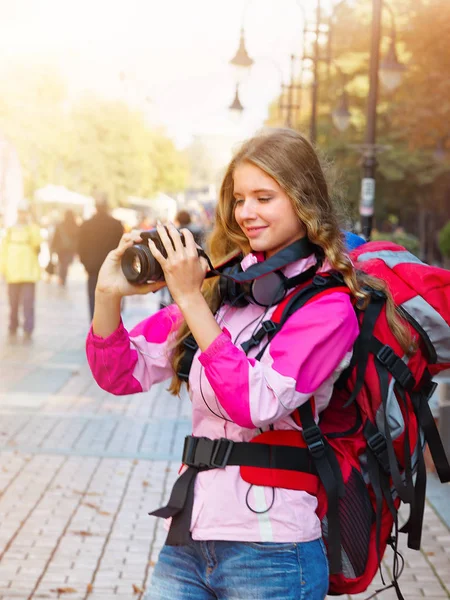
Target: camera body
[138,263]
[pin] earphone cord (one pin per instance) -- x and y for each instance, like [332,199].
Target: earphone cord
[259,319]
[221,415]
[259,512]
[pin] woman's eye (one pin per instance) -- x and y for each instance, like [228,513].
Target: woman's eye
[264,199]
[238,201]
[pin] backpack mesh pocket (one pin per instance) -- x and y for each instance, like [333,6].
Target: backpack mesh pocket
[356,517]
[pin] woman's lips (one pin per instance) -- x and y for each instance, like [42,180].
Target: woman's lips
[254,231]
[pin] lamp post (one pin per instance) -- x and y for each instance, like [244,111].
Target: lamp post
[236,107]
[341,114]
[242,63]
[390,65]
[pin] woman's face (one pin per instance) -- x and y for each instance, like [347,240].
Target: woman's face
[264,211]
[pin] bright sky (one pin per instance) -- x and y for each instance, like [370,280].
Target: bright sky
[174,53]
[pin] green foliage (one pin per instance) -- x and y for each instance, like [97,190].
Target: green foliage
[410,122]
[94,144]
[444,240]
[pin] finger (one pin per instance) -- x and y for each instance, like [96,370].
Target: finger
[124,243]
[131,236]
[176,238]
[156,253]
[189,242]
[135,235]
[165,239]
[204,264]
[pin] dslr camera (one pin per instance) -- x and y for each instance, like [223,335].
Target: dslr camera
[138,263]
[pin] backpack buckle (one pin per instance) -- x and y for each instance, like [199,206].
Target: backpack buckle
[190,444]
[319,280]
[387,357]
[197,451]
[269,326]
[203,452]
[314,440]
[396,367]
[377,443]
[221,443]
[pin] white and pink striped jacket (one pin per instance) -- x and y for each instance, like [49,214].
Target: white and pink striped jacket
[303,359]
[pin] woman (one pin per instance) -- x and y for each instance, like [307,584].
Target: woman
[244,541]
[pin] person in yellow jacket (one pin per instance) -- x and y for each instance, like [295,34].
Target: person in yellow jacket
[20,267]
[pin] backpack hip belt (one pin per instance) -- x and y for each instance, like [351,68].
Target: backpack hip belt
[204,454]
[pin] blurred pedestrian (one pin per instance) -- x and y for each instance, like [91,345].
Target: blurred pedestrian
[97,236]
[65,244]
[183,219]
[20,267]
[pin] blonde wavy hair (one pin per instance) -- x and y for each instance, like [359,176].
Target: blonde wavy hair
[291,161]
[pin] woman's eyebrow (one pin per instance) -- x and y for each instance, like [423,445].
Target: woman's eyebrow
[237,193]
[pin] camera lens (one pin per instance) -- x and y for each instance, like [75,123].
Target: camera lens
[136,265]
[139,265]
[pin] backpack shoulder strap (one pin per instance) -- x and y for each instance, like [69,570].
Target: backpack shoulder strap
[321,285]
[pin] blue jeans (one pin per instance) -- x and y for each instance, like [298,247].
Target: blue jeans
[240,571]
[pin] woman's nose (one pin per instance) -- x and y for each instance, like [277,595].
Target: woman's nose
[248,210]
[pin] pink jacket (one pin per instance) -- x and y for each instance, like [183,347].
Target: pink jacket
[303,359]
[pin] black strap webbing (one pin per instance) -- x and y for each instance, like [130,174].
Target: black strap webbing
[179,508]
[414,525]
[319,285]
[330,475]
[191,348]
[405,488]
[373,468]
[362,345]
[393,363]
[420,400]
[201,454]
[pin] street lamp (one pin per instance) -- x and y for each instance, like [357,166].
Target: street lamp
[391,70]
[236,107]
[341,114]
[369,163]
[241,61]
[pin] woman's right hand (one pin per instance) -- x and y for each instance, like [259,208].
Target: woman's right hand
[111,280]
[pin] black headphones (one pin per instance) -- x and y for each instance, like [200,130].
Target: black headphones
[264,283]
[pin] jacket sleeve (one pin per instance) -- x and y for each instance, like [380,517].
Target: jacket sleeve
[301,361]
[128,363]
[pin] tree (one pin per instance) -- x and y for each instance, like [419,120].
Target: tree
[94,144]
[444,241]
[411,182]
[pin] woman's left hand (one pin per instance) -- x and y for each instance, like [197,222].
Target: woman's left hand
[184,270]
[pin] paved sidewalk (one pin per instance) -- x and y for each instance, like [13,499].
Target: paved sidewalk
[80,469]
